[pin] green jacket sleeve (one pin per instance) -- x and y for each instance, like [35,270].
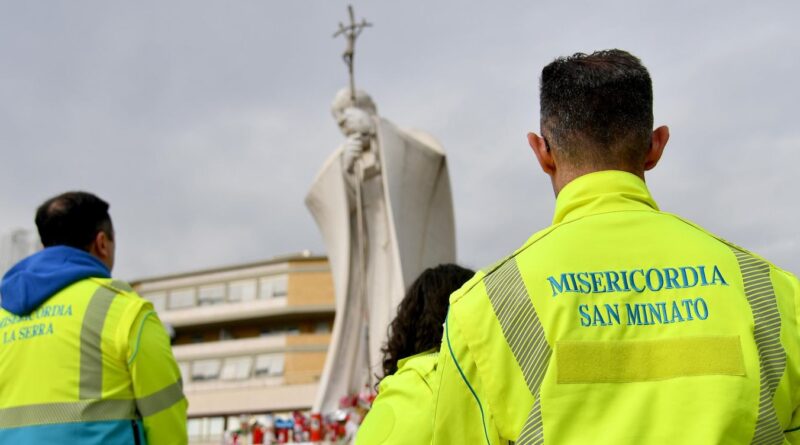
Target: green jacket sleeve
[461,413]
[157,382]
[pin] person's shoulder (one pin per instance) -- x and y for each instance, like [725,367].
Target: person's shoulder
[467,287]
[116,286]
[413,373]
[748,260]
[472,287]
[737,249]
[123,292]
[403,406]
[423,364]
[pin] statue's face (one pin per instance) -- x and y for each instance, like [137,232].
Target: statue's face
[354,120]
[343,101]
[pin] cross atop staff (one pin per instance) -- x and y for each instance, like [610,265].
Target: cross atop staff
[351,32]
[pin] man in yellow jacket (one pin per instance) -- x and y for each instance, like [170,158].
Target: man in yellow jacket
[83,359]
[619,323]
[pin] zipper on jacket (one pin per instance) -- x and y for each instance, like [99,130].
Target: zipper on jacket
[136,439]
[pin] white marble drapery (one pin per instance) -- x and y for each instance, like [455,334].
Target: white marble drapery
[384,207]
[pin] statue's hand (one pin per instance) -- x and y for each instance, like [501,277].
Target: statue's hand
[353,148]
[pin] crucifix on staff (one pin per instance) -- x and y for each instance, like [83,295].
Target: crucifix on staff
[351,33]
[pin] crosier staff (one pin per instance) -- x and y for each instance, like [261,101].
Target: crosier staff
[351,33]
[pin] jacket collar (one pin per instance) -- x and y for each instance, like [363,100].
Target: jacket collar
[602,192]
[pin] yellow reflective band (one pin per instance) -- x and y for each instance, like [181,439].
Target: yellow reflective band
[121,286]
[648,360]
[91,383]
[67,412]
[525,336]
[767,318]
[160,400]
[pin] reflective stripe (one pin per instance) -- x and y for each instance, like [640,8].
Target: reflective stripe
[122,286]
[160,400]
[761,296]
[525,336]
[67,412]
[532,431]
[91,383]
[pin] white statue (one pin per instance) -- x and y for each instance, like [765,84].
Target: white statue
[383,204]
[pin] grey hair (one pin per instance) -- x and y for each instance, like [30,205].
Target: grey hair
[343,100]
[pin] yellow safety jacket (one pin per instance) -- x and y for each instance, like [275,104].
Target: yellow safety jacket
[92,365]
[621,324]
[403,411]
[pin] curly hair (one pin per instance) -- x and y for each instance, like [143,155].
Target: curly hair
[417,327]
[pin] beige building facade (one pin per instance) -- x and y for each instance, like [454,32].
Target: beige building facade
[251,340]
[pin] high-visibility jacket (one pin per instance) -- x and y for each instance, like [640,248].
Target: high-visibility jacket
[91,365]
[403,410]
[621,324]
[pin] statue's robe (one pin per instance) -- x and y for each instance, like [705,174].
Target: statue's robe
[408,210]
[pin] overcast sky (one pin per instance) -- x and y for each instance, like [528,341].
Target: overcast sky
[203,123]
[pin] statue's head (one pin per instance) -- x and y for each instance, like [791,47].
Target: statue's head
[355,120]
[351,121]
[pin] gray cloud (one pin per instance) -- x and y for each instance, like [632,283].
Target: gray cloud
[204,123]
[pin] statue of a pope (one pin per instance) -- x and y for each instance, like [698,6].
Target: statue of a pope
[383,204]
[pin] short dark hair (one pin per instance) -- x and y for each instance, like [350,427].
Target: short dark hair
[597,109]
[417,327]
[73,219]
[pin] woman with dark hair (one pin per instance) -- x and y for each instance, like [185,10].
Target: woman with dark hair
[404,406]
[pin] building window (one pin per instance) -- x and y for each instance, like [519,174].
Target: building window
[184,367]
[322,327]
[206,429]
[269,365]
[270,332]
[273,287]
[195,427]
[281,287]
[181,298]
[159,300]
[225,334]
[197,338]
[283,330]
[243,290]
[206,369]
[265,288]
[214,294]
[234,423]
[236,368]
[216,428]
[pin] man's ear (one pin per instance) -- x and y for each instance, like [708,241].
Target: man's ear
[657,143]
[543,153]
[102,247]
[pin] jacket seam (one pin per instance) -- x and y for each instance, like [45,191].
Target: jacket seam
[464,378]
[139,336]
